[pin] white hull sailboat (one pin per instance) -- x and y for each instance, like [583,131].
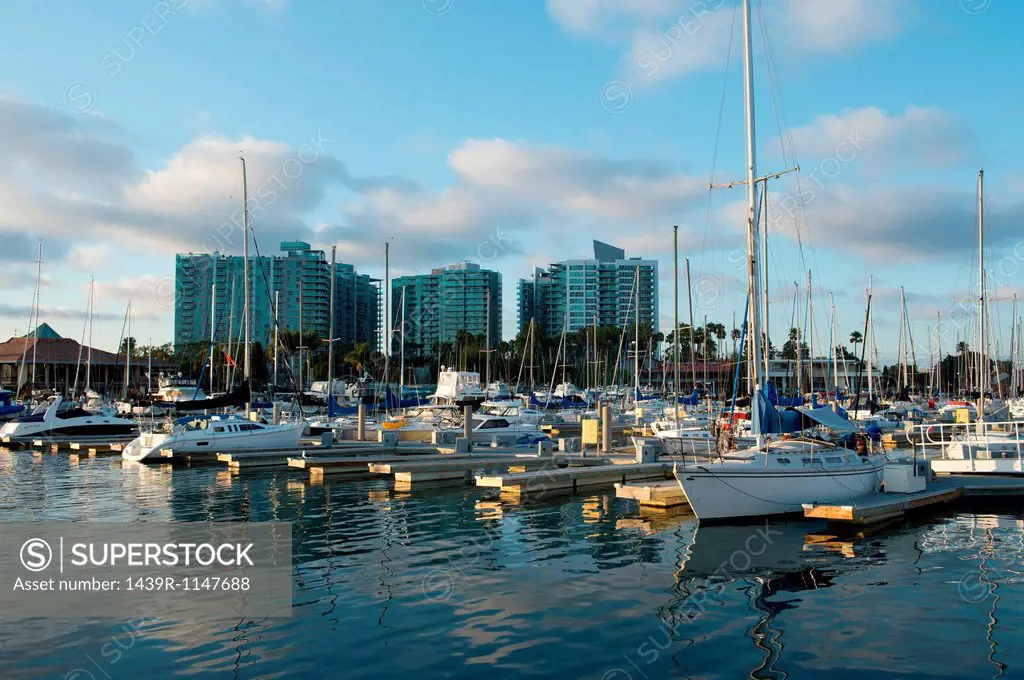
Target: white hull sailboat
[772,478]
[777,479]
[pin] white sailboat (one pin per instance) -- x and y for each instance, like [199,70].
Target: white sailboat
[222,434]
[772,477]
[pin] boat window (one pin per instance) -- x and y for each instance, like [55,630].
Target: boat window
[784,461]
[494,423]
[834,460]
[246,427]
[218,428]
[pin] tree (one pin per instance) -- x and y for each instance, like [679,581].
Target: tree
[855,339]
[127,343]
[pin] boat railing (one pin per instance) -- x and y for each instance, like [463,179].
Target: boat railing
[934,438]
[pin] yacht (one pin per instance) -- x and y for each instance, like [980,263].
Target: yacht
[498,390]
[58,418]
[459,388]
[684,438]
[219,434]
[488,429]
[512,410]
[9,409]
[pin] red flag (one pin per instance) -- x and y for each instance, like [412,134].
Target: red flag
[230,360]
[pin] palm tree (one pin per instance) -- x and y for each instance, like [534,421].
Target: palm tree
[360,357]
[855,339]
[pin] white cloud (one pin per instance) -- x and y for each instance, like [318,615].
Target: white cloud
[921,137]
[664,38]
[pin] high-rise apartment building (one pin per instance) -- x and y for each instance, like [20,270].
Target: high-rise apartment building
[609,289]
[299,278]
[438,305]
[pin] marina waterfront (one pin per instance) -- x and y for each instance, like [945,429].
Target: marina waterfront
[458,583]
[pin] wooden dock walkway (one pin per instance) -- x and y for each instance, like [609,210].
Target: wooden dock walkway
[880,506]
[654,494]
[568,480]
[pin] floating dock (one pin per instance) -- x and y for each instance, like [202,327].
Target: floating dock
[568,480]
[881,506]
[656,494]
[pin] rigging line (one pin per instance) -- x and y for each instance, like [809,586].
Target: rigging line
[718,137]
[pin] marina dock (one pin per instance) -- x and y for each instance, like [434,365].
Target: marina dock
[570,479]
[881,507]
[661,494]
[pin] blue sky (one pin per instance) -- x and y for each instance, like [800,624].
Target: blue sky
[448,124]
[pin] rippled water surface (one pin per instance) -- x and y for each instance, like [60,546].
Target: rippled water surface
[456,583]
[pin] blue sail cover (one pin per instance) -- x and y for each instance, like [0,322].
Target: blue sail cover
[691,400]
[767,418]
[774,398]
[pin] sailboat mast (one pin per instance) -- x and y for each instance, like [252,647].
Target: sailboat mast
[675,323]
[487,345]
[92,309]
[401,351]
[636,337]
[213,317]
[330,331]
[149,368]
[246,284]
[35,341]
[810,335]
[903,338]
[277,332]
[693,350]
[982,364]
[753,240]
[835,348]
[938,353]
[128,350]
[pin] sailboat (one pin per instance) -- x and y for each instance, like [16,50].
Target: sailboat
[773,477]
[222,433]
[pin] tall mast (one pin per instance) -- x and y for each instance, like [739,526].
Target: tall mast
[530,334]
[636,337]
[246,285]
[757,370]
[693,355]
[302,384]
[330,331]
[149,369]
[401,351]
[487,344]
[92,310]
[213,317]
[938,353]
[903,338]
[810,335]
[387,305]
[39,278]
[675,323]
[982,363]
[277,332]
[835,347]
[128,350]
[799,343]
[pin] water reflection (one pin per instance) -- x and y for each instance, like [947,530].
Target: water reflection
[460,583]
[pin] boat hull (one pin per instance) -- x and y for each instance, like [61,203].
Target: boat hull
[149,446]
[725,494]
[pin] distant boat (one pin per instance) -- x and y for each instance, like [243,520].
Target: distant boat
[215,434]
[65,419]
[459,388]
[8,409]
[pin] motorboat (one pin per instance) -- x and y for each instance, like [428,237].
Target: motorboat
[499,390]
[459,388]
[220,434]
[684,439]
[488,429]
[513,410]
[58,418]
[8,408]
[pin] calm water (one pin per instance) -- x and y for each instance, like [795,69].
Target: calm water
[455,584]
